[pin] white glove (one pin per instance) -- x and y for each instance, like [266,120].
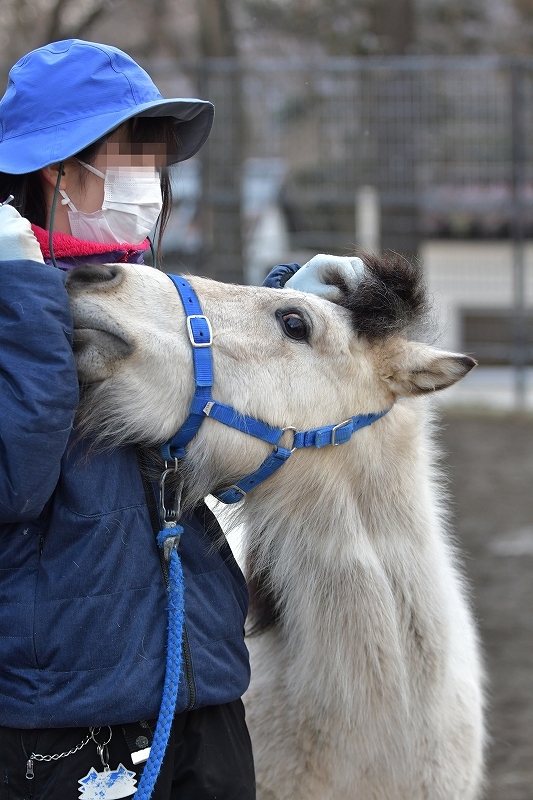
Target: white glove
[17,240]
[313,277]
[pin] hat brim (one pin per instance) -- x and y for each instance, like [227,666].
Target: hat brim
[33,151]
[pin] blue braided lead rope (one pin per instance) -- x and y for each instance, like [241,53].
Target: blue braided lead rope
[173,668]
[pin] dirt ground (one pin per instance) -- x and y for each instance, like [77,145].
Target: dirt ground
[490,466]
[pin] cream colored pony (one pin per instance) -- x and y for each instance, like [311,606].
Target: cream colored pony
[366,681]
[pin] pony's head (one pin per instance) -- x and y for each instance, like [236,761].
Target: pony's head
[285,357]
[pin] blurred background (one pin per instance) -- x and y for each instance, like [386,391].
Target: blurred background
[374,124]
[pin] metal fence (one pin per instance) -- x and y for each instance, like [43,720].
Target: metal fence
[440,150]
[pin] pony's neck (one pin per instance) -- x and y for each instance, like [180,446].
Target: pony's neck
[347,504]
[336,543]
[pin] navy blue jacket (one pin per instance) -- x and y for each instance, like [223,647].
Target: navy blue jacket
[278,277]
[82,594]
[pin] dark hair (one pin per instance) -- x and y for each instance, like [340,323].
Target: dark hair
[390,299]
[28,192]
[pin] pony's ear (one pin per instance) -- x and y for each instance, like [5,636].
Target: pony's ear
[418,369]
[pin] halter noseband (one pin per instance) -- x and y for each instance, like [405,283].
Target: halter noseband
[203,406]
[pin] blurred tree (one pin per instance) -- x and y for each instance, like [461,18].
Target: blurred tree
[396,27]
[71,20]
[342,27]
[525,8]
[218,38]
[166,29]
[524,14]
[222,157]
[356,27]
[26,24]
[219,35]
[465,27]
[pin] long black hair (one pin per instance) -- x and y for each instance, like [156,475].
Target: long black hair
[28,192]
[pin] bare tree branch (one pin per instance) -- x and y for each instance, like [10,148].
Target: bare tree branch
[159,35]
[217,32]
[53,28]
[96,13]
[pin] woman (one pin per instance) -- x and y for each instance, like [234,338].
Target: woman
[83,133]
[83,596]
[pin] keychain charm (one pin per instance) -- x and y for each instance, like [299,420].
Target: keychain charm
[111,784]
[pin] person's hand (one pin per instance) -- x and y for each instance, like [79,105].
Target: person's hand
[17,241]
[317,275]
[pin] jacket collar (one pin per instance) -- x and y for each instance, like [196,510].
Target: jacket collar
[66,246]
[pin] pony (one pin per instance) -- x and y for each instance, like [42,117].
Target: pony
[367,681]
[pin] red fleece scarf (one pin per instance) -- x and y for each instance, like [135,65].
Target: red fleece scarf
[66,246]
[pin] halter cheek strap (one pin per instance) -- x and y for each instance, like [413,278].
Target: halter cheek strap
[203,406]
[200,336]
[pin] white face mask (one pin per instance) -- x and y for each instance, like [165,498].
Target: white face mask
[131,207]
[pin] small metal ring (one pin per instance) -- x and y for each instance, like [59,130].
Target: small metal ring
[96,731]
[295,431]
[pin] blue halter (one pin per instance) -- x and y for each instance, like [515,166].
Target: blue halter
[203,406]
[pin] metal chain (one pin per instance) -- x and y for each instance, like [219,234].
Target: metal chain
[57,756]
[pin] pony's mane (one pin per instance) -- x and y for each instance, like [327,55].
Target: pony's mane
[390,299]
[263,610]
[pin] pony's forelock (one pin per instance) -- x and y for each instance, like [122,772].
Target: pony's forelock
[390,299]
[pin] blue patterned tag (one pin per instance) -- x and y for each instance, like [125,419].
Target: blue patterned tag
[111,784]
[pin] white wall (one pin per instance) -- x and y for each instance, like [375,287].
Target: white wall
[470,275]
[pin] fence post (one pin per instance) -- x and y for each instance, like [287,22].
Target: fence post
[394,109]
[367,220]
[519,327]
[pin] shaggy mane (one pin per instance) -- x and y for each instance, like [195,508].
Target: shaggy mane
[390,298]
[263,609]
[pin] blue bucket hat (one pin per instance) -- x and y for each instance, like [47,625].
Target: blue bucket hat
[67,95]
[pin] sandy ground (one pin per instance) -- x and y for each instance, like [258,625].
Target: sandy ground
[490,465]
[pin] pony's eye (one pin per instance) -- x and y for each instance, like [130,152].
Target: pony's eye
[294,325]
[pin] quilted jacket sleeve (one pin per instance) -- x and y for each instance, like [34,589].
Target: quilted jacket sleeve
[278,277]
[38,385]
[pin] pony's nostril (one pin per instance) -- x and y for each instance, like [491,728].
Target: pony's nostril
[104,275]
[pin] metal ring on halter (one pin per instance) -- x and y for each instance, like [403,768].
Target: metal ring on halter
[294,432]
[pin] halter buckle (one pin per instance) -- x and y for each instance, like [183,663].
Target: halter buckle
[235,488]
[334,430]
[190,331]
